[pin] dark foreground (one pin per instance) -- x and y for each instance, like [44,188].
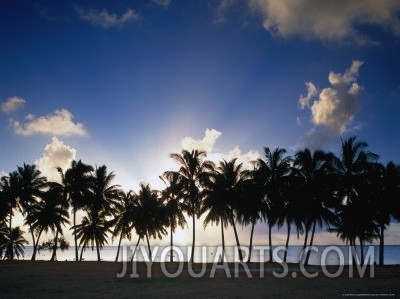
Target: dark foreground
[99,279]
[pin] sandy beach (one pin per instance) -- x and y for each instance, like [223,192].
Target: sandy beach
[20,279]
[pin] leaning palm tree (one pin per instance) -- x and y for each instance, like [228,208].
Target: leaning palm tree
[76,181]
[31,188]
[172,197]
[273,174]
[12,244]
[193,173]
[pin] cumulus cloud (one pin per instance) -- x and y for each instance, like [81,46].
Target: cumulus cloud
[327,20]
[105,19]
[245,158]
[59,123]
[12,104]
[335,107]
[164,3]
[56,154]
[205,144]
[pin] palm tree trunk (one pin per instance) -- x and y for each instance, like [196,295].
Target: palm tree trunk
[98,250]
[53,256]
[148,246]
[133,254]
[270,242]
[306,236]
[194,235]
[83,248]
[35,246]
[76,238]
[237,238]
[287,243]
[382,246]
[223,240]
[362,252]
[311,242]
[33,242]
[171,253]
[251,238]
[119,246]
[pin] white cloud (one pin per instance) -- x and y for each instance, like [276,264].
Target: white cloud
[312,91]
[245,158]
[327,20]
[164,3]
[12,104]
[56,154]
[57,124]
[337,105]
[105,19]
[206,143]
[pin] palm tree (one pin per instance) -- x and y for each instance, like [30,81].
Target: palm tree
[103,202]
[252,204]
[272,173]
[13,243]
[31,188]
[352,170]
[173,207]
[124,220]
[51,213]
[314,171]
[76,180]
[193,173]
[150,215]
[383,191]
[10,186]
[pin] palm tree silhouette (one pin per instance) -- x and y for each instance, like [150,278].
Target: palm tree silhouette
[316,195]
[10,186]
[123,221]
[51,213]
[31,185]
[76,180]
[273,173]
[172,197]
[12,243]
[150,215]
[352,172]
[193,174]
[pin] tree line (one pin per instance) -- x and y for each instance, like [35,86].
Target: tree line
[351,194]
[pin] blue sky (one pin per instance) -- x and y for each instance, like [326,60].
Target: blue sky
[126,83]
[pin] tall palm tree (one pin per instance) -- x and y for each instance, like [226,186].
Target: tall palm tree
[76,181]
[103,202]
[150,215]
[12,243]
[10,186]
[252,204]
[31,188]
[50,214]
[352,171]
[172,197]
[273,173]
[124,219]
[193,173]
[383,191]
[316,195]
